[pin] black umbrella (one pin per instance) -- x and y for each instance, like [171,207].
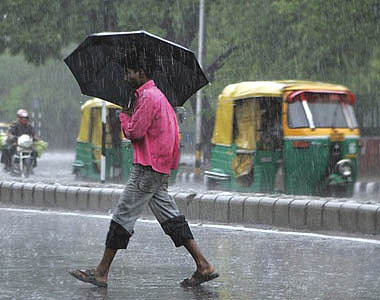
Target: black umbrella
[99,62]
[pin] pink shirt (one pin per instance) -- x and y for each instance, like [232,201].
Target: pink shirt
[153,130]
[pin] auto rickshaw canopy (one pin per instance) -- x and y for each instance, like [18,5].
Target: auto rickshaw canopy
[257,89]
[96,121]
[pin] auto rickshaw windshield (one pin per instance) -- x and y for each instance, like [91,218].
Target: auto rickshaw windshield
[321,110]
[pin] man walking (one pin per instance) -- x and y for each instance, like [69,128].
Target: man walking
[152,127]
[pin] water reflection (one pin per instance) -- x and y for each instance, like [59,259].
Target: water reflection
[90,293]
[201,292]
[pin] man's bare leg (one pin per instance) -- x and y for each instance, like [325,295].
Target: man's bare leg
[203,266]
[102,270]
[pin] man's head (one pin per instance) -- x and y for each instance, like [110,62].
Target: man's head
[138,70]
[23,116]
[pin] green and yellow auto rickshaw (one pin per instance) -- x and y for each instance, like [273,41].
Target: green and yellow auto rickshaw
[118,150]
[294,137]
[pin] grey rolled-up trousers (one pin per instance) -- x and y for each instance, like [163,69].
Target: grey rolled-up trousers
[144,186]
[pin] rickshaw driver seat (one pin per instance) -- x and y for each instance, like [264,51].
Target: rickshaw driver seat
[271,127]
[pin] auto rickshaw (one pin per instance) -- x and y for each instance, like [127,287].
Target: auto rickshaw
[293,137]
[118,150]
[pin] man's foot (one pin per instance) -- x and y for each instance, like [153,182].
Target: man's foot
[89,277]
[198,278]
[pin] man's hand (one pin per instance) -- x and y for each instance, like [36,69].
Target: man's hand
[129,111]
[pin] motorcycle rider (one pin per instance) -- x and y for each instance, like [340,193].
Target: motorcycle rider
[18,128]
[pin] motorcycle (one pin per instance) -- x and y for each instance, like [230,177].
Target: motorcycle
[23,160]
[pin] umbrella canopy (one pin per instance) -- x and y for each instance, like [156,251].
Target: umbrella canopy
[99,62]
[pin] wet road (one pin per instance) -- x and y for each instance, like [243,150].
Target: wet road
[38,248]
[51,167]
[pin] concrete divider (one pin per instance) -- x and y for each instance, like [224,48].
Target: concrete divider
[366,218]
[281,212]
[314,214]
[39,195]
[349,216]
[6,192]
[237,209]
[207,207]
[71,197]
[105,199]
[331,216]
[83,198]
[183,200]
[294,212]
[94,199]
[49,195]
[61,196]
[222,210]
[266,210]
[192,209]
[297,213]
[251,210]
[17,193]
[28,193]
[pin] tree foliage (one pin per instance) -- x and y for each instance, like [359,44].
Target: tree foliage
[335,41]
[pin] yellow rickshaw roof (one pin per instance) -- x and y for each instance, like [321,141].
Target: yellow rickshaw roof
[253,89]
[249,89]
[95,102]
[83,135]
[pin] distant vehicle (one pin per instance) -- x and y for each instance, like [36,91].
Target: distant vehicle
[4,127]
[22,161]
[293,137]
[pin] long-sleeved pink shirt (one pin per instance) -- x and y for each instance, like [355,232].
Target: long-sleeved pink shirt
[153,130]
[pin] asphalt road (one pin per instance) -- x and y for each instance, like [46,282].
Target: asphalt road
[38,248]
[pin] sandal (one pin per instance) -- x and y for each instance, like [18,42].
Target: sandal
[88,276]
[198,278]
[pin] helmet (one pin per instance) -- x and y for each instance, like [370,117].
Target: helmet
[22,113]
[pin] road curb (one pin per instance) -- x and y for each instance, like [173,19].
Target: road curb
[367,189]
[287,212]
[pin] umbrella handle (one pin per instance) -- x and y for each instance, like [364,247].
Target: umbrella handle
[132,99]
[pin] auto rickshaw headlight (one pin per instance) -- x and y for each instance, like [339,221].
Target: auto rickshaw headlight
[344,167]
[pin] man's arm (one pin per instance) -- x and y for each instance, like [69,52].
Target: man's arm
[136,126]
[33,133]
[12,134]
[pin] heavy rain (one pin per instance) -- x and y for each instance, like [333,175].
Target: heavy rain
[278,114]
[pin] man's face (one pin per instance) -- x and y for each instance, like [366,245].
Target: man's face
[23,120]
[133,78]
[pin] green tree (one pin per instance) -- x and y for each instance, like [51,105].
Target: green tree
[335,41]
[44,29]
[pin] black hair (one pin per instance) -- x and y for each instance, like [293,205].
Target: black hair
[143,62]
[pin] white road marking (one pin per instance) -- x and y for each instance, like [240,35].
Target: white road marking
[214,226]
